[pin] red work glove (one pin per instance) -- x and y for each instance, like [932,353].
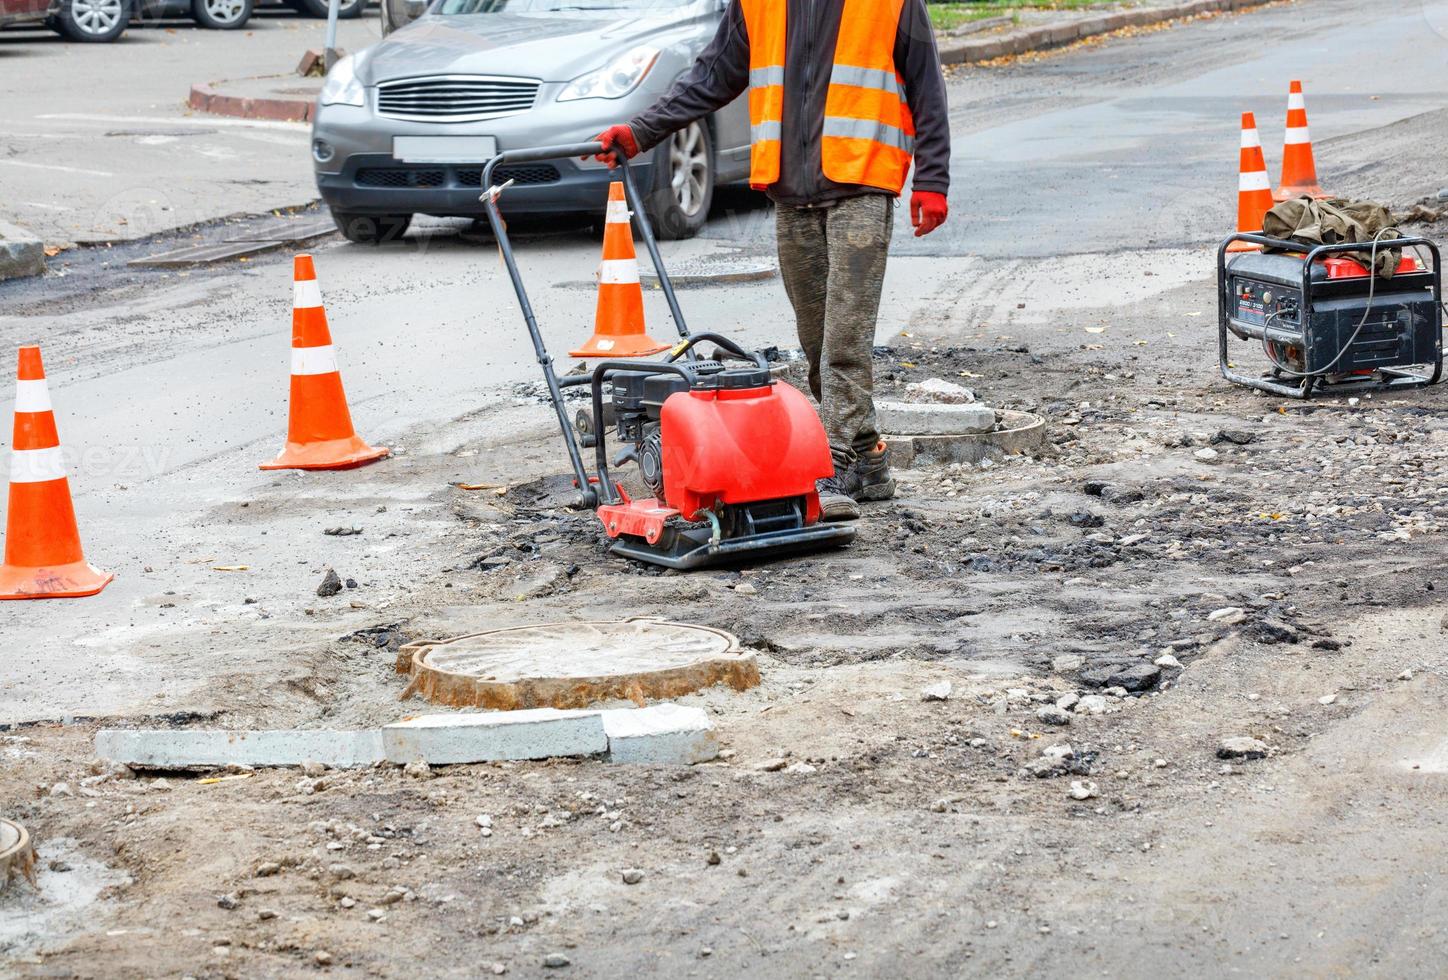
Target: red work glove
[616,137]
[927,211]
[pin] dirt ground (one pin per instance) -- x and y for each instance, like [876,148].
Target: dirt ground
[1284,556]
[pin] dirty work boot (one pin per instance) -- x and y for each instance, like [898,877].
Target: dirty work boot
[873,468]
[837,494]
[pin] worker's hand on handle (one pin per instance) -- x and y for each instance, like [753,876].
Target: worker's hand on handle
[927,211]
[619,138]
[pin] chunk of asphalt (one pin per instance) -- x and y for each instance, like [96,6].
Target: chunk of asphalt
[668,734]
[495,736]
[182,748]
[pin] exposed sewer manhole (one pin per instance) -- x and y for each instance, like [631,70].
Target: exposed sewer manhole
[17,856]
[574,665]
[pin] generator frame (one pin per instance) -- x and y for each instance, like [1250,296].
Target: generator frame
[1283,382]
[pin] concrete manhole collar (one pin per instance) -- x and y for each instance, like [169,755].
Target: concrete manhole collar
[1014,433]
[574,665]
[17,856]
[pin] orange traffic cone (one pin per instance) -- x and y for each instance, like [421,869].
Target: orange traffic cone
[1299,171]
[43,558]
[1254,186]
[319,427]
[618,325]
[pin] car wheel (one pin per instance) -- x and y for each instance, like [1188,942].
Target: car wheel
[683,184]
[371,229]
[221,15]
[92,21]
[318,8]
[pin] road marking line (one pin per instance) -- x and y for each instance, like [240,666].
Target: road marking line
[288,127]
[56,166]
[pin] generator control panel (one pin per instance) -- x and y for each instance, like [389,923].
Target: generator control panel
[1257,302]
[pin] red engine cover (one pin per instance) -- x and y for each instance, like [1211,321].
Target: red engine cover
[742,446]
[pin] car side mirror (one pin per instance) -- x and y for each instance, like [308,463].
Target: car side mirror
[415,8]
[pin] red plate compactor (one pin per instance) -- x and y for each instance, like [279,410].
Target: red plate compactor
[729,455]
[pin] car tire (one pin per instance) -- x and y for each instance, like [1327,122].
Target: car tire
[371,229]
[222,15]
[91,21]
[318,8]
[683,183]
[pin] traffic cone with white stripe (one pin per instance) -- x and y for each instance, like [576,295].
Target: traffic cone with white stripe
[1299,170]
[1254,186]
[618,324]
[43,557]
[319,426]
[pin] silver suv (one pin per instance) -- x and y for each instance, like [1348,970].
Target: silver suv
[405,126]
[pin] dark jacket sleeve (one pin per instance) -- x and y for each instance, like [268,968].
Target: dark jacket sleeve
[715,80]
[918,62]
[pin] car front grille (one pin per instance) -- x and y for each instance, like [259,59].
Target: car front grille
[434,177]
[456,98]
[518,174]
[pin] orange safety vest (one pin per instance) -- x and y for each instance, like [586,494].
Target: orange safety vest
[869,135]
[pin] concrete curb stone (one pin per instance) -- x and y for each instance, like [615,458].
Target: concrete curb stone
[662,734]
[916,419]
[204,98]
[493,736]
[182,748]
[1056,35]
[21,253]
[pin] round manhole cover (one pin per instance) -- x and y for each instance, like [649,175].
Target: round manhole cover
[712,270]
[573,665]
[16,854]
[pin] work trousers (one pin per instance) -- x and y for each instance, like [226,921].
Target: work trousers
[832,260]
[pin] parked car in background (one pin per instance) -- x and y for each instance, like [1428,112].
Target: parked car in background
[221,15]
[318,8]
[79,20]
[404,127]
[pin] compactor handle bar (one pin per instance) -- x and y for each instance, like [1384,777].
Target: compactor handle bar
[490,196]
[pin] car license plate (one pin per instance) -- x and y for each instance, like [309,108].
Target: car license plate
[444,149]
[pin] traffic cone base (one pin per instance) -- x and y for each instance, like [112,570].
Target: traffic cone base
[332,454]
[43,555]
[1303,190]
[618,323]
[635,345]
[319,425]
[52,582]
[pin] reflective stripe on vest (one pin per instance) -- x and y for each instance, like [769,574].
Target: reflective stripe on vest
[869,135]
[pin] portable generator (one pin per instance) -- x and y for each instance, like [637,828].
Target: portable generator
[1324,322]
[729,454]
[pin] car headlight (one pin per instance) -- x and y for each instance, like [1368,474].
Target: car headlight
[342,86]
[614,80]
